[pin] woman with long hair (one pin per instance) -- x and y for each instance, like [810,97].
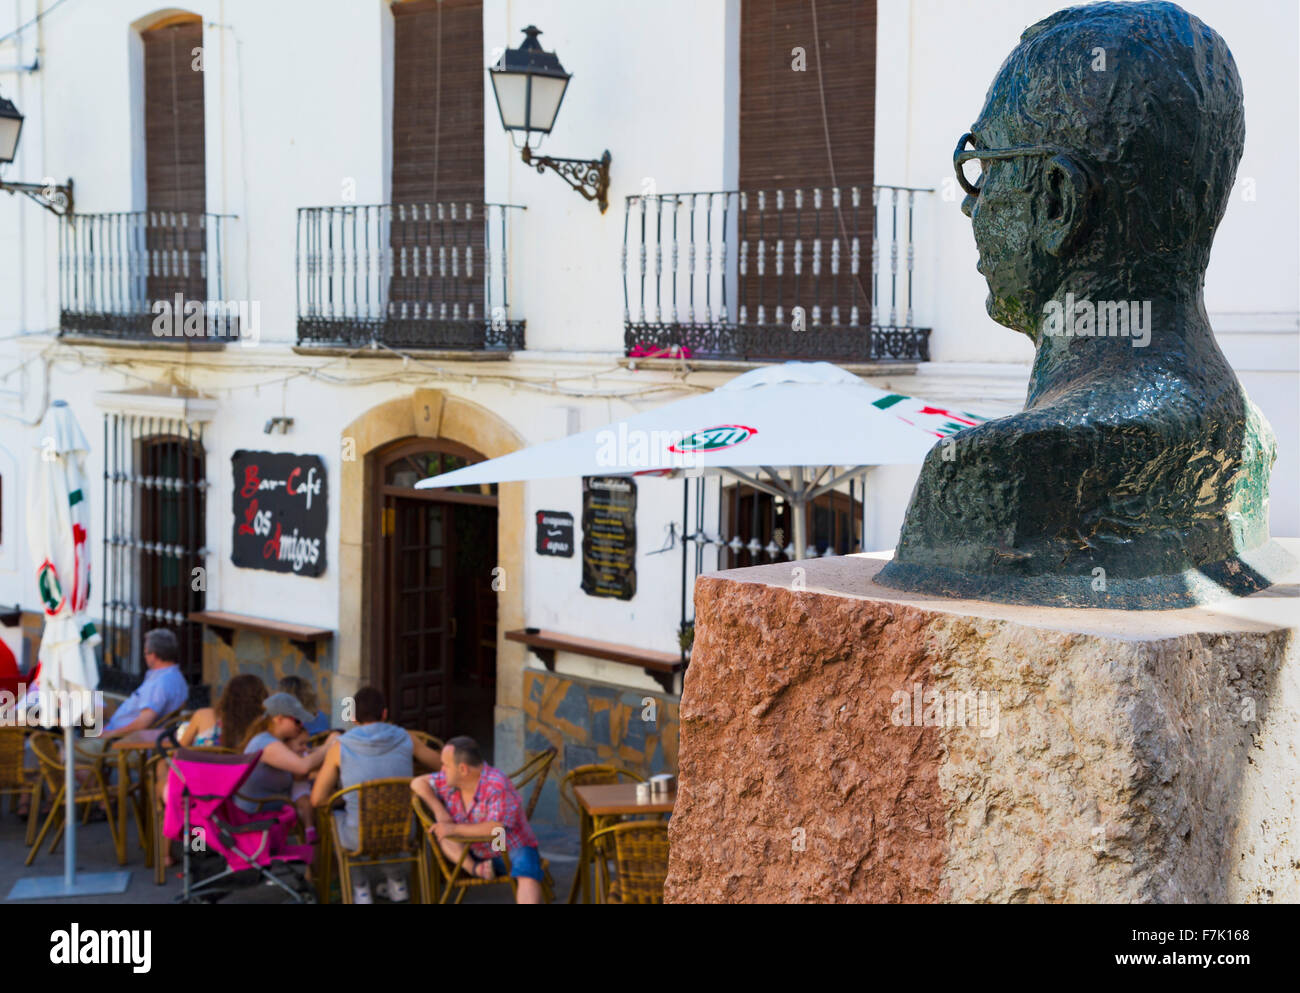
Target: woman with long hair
[227,724]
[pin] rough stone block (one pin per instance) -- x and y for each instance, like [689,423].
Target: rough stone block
[848,742]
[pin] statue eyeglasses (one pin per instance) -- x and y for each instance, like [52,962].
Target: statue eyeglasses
[962,154]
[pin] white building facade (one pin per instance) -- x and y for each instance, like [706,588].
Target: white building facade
[412,295]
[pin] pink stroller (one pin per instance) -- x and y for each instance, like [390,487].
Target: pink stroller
[201,813]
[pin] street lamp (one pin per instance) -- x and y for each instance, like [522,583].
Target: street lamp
[56,199]
[529,85]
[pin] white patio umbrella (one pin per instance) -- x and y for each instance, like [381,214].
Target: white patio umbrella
[58,519]
[821,422]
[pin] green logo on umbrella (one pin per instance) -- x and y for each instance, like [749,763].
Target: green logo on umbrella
[47,584]
[714,439]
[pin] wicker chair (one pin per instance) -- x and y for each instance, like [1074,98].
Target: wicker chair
[641,859]
[440,875]
[534,771]
[589,775]
[16,781]
[385,832]
[431,741]
[91,790]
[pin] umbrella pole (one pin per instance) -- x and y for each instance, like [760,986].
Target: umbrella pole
[797,508]
[70,810]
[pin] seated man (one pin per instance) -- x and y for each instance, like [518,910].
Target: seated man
[164,690]
[374,749]
[474,803]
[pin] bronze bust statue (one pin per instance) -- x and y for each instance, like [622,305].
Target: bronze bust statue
[1137,475]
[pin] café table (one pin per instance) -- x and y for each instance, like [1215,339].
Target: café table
[601,806]
[137,744]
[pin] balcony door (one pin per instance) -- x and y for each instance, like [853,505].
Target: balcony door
[175,173]
[437,232]
[807,122]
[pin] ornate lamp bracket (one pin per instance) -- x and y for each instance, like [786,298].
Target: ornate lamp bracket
[590,177]
[56,199]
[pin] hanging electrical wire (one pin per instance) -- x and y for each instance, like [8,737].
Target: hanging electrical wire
[20,29]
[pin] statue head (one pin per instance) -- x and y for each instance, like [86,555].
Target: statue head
[1113,133]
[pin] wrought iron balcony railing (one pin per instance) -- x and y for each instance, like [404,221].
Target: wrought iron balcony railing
[139,275]
[772,274]
[407,276]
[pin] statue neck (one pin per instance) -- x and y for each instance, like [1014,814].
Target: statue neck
[1093,322]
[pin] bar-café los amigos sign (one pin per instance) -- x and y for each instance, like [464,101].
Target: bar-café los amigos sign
[280,512]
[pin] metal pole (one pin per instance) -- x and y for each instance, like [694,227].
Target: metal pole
[70,806]
[797,508]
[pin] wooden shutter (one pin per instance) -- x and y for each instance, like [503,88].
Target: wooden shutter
[783,146]
[782,138]
[175,171]
[438,77]
[436,294]
[173,118]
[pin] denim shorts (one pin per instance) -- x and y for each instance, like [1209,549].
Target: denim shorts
[524,863]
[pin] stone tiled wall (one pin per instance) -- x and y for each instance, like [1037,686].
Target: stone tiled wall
[267,656]
[594,723]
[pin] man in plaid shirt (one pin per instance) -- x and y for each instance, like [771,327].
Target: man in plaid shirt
[474,803]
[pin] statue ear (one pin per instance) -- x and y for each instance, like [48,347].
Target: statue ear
[1068,205]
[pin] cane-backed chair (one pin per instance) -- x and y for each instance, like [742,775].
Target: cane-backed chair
[90,788]
[386,832]
[534,771]
[431,741]
[640,859]
[590,775]
[17,781]
[440,876]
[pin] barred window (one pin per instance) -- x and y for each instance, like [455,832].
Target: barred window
[154,505]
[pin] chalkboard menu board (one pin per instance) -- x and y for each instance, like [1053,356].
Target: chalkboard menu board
[609,536]
[280,512]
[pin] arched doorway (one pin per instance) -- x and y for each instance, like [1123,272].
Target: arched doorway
[431,591]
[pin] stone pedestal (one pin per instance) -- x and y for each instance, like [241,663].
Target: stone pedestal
[841,741]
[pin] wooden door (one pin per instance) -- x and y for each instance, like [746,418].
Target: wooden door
[419,536]
[431,596]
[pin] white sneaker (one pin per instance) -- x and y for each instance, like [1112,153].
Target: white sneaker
[394,890]
[361,893]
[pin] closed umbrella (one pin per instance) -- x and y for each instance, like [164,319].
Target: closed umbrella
[58,520]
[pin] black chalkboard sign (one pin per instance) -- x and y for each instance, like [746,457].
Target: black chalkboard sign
[280,512]
[609,536]
[555,533]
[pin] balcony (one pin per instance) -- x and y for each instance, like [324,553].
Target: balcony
[407,276]
[120,272]
[772,275]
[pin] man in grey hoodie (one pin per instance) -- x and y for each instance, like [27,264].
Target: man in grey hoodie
[374,749]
